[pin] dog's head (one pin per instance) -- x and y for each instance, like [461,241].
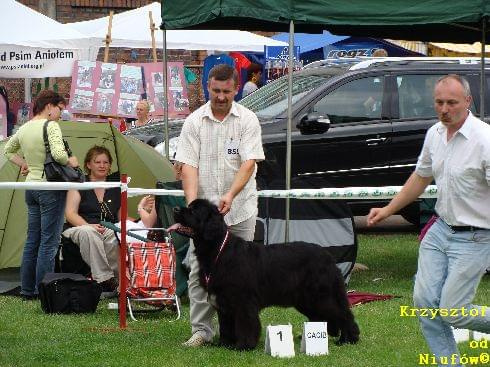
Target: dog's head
[200,220]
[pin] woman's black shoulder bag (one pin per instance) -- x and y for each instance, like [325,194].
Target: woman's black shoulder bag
[56,172]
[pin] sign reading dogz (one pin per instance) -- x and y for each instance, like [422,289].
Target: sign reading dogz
[279,341]
[314,341]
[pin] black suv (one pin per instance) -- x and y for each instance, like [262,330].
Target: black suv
[360,124]
[354,124]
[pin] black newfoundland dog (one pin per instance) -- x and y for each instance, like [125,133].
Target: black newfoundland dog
[246,277]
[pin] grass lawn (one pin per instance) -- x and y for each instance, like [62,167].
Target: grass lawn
[28,337]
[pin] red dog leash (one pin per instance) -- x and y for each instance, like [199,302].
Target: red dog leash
[208,276]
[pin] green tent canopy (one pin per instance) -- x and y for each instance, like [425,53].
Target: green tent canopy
[423,20]
[138,160]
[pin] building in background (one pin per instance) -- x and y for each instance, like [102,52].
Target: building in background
[67,11]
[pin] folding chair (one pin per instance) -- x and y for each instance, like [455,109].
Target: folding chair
[150,270]
[151,275]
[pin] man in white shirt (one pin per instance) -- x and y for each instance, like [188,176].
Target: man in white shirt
[455,251]
[219,146]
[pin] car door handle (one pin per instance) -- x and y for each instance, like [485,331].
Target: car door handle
[375,141]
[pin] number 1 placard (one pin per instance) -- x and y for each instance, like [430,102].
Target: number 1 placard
[279,341]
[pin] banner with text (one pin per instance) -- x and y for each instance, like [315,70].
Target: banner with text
[32,62]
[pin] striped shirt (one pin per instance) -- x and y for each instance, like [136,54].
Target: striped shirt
[217,149]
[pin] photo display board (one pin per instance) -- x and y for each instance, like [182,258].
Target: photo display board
[178,101]
[108,89]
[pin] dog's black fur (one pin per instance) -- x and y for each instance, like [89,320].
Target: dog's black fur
[246,277]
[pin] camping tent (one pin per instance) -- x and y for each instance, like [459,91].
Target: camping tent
[34,45]
[132,29]
[141,162]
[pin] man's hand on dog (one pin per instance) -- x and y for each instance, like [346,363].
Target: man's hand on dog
[225,201]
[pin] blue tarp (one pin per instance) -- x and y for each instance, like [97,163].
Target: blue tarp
[364,46]
[315,47]
[308,42]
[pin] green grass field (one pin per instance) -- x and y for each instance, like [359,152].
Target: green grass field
[28,337]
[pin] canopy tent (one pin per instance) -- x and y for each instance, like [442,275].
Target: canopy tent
[132,29]
[138,160]
[34,45]
[433,20]
[23,26]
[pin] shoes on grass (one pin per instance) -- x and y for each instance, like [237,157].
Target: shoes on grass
[109,285]
[196,340]
[29,297]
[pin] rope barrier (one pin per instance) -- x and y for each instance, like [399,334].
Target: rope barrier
[350,193]
[346,193]
[36,185]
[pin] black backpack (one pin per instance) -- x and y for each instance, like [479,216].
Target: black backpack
[68,293]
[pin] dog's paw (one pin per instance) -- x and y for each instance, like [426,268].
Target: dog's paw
[342,341]
[226,343]
[245,345]
[348,337]
[333,329]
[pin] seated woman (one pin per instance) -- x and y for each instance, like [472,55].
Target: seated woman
[84,211]
[147,211]
[148,219]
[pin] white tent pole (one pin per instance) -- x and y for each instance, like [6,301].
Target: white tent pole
[290,122]
[165,93]
[482,73]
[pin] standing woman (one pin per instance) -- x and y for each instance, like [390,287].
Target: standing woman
[254,72]
[44,207]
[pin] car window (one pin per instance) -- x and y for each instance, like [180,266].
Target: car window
[415,95]
[272,99]
[358,100]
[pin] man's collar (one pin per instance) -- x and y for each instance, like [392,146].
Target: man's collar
[209,113]
[465,129]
